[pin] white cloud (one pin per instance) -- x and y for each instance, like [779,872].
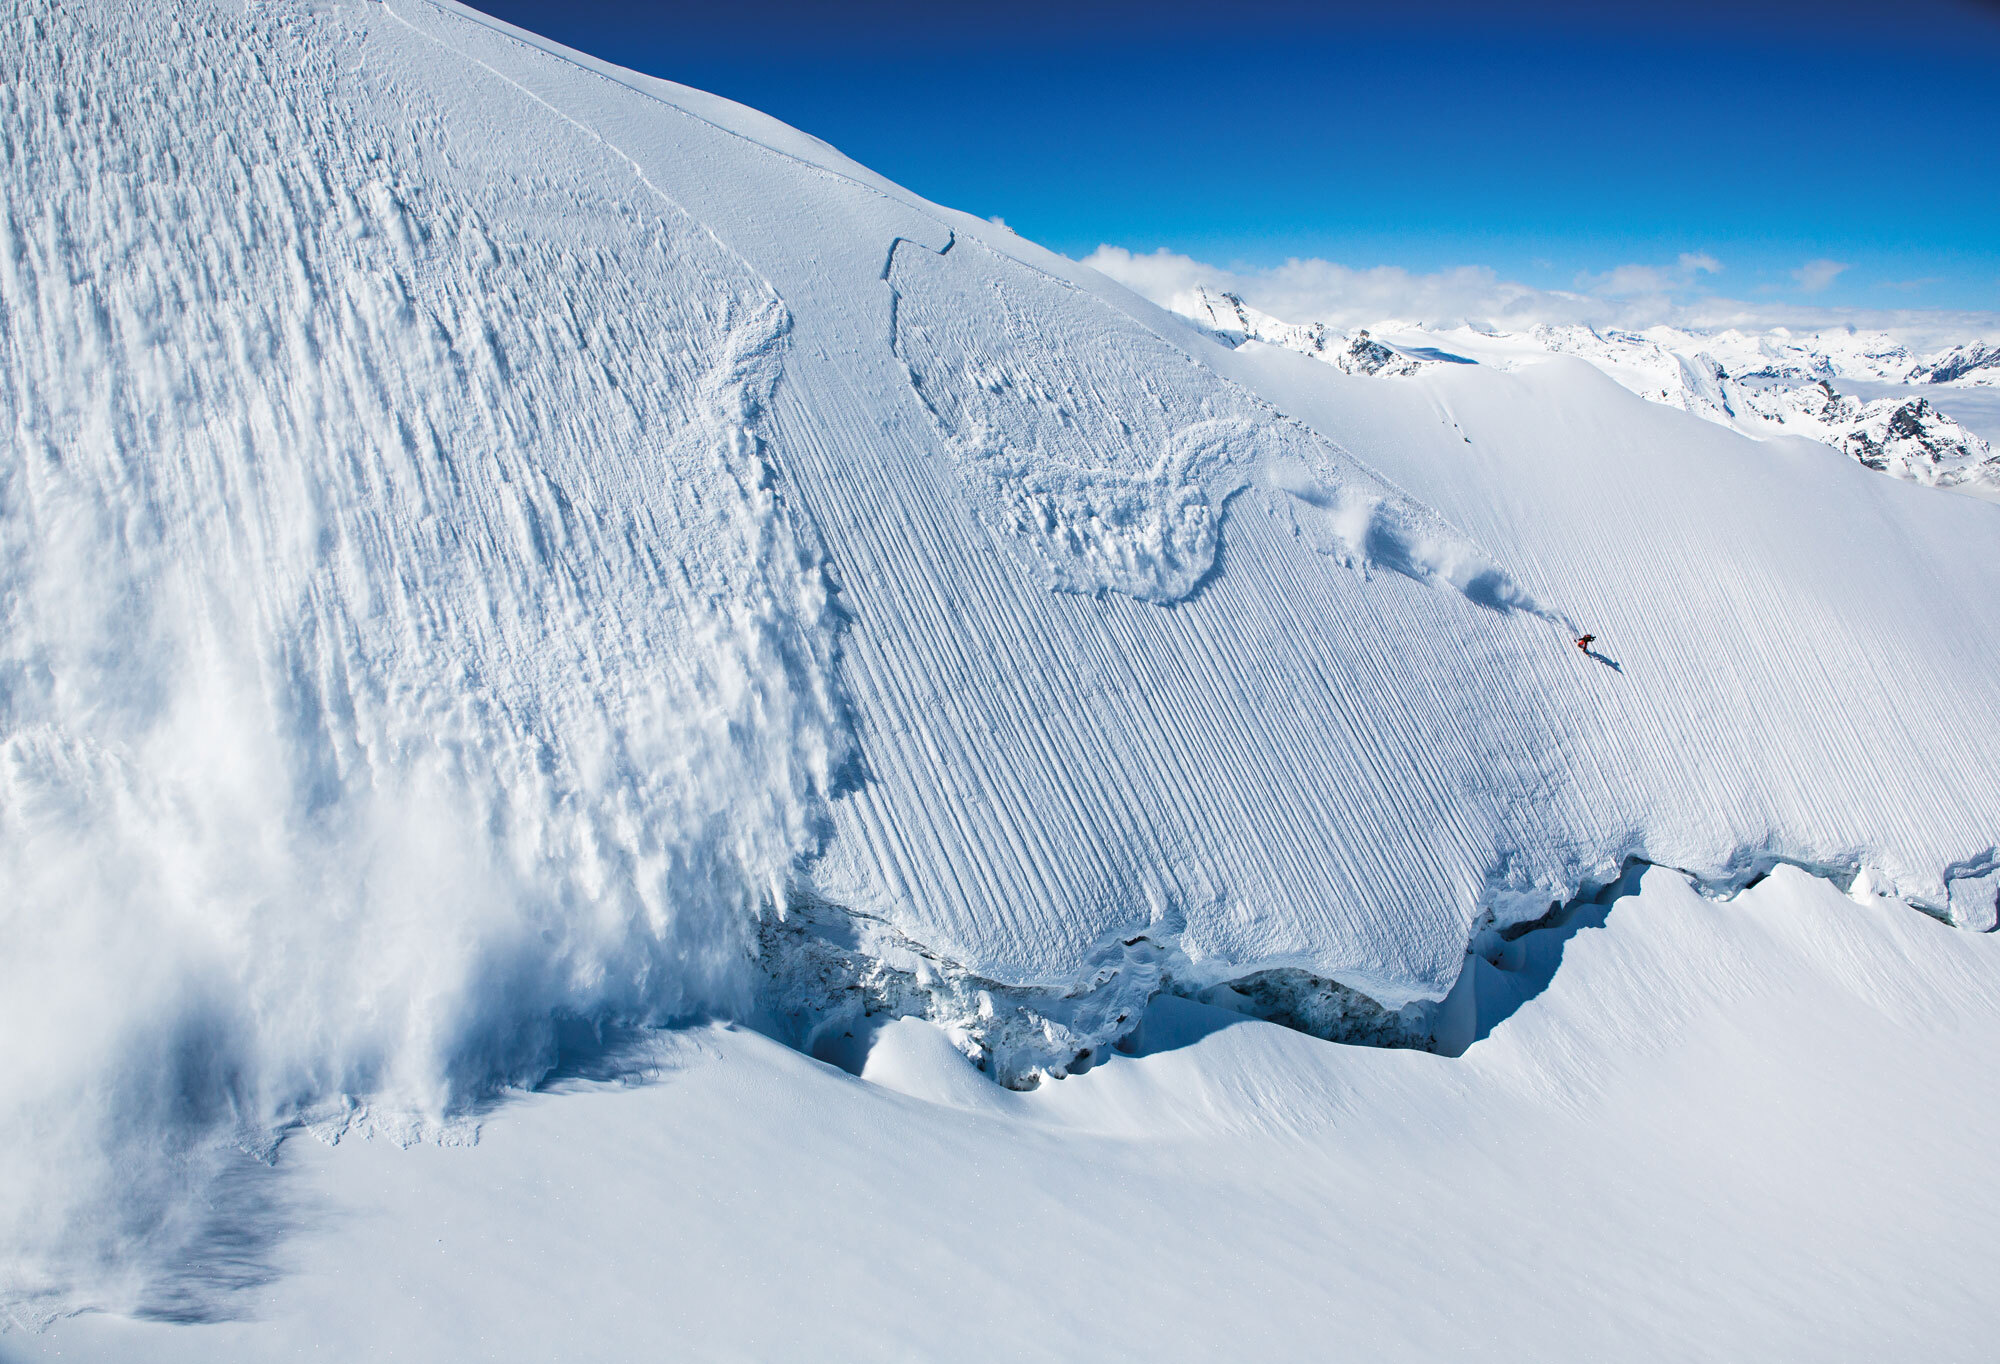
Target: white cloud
[1815,275]
[1633,281]
[1632,296]
[1325,291]
[1630,281]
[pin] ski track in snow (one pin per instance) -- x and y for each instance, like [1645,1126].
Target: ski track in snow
[473,543]
[1088,442]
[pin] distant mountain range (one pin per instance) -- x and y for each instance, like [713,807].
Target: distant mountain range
[1762,384]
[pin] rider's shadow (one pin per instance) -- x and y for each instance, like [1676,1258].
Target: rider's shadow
[1606,659]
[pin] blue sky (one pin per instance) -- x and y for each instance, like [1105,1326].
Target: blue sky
[1833,155]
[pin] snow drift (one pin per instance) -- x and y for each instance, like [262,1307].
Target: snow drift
[496,547]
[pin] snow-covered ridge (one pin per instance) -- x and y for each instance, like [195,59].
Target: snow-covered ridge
[1230,319]
[494,548]
[1762,385]
[1975,364]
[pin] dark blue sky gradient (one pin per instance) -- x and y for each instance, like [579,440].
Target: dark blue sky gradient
[1547,141]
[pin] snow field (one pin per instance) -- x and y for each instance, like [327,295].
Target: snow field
[407,644]
[1752,1128]
[1761,384]
[1749,593]
[1105,457]
[495,548]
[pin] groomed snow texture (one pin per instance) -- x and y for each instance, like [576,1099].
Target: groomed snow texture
[480,531]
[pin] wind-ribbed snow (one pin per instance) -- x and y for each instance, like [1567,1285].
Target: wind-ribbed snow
[480,531]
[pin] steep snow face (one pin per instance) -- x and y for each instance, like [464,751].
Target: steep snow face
[1793,580]
[494,546]
[413,645]
[1096,490]
[1088,445]
[406,644]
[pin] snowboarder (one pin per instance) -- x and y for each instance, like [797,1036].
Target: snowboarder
[1584,643]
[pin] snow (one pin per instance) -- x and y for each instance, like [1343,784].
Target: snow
[1753,1128]
[1917,421]
[1761,385]
[497,549]
[357,724]
[1975,408]
[1972,365]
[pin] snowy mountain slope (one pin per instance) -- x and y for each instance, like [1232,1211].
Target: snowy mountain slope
[356,723]
[1782,353]
[1760,1128]
[1760,385]
[1631,510]
[1974,365]
[493,546]
[1974,407]
[1234,321]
